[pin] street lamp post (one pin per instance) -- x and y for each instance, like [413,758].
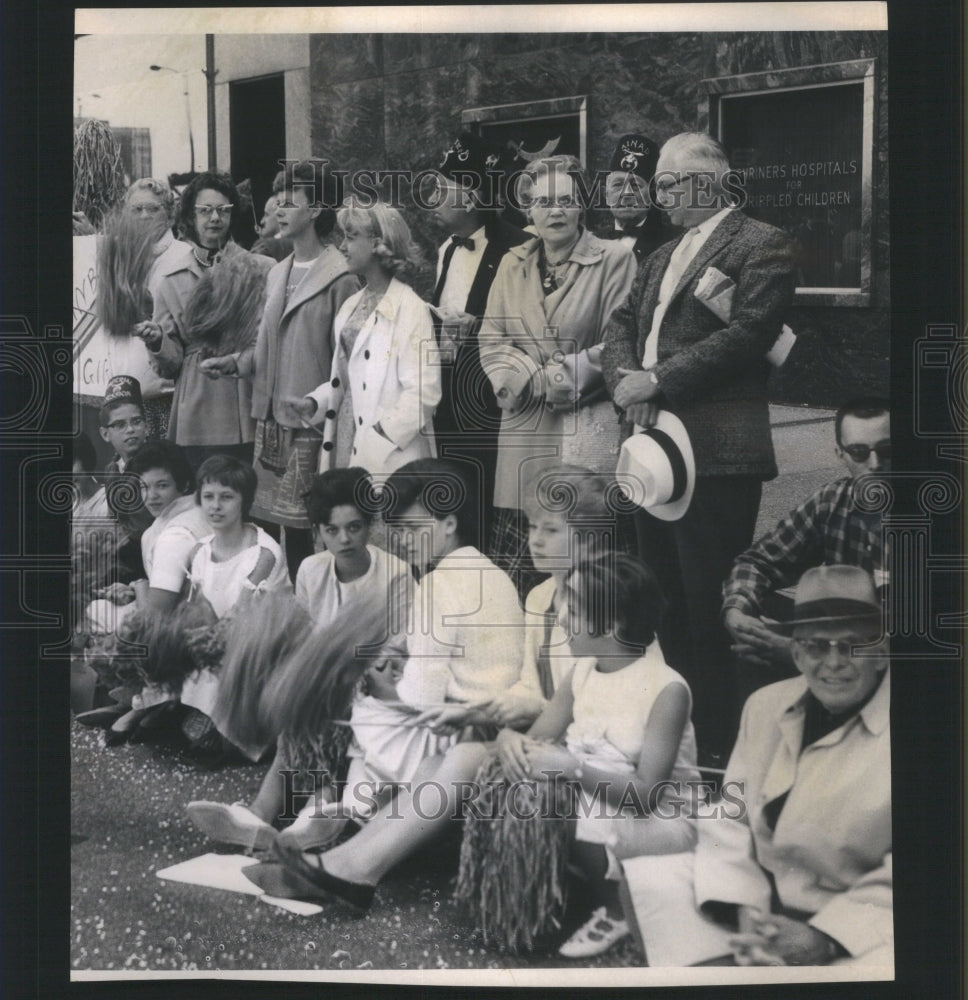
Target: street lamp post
[80,109]
[188,109]
[210,73]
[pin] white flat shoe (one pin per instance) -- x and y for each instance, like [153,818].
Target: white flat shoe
[318,825]
[595,937]
[312,832]
[234,824]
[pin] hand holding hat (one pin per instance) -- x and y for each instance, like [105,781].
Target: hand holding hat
[656,468]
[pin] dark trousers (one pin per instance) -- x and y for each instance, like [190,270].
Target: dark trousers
[691,558]
[466,426]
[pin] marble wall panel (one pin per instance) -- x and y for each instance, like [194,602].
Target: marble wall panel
[395,102]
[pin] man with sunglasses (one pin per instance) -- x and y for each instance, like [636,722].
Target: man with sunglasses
[827,528]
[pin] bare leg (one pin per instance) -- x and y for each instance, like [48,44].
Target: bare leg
[600,891]
[268,803]
[410,820]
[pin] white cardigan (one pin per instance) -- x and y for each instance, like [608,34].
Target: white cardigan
[393,372]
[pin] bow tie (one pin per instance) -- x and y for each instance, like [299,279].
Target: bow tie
[463,241]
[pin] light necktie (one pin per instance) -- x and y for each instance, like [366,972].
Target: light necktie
[681,259]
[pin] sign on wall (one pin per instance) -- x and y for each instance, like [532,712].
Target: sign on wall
[801,141]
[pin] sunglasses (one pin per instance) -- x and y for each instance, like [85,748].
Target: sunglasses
[862,452]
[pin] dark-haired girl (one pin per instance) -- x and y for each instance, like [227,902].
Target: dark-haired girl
[348,578]
[619,723]
[237,560]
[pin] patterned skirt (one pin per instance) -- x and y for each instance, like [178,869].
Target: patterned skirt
[284,476]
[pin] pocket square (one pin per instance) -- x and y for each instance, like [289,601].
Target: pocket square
[715,291]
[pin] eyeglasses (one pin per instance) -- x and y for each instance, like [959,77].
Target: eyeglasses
[119,425]
[862,452]
[817,649]
[144,209]
[207,211]
[670,180]
[565,201]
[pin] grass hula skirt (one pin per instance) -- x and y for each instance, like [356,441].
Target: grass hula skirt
[224,308]
[125,254]
[260,642]
[512,882]
[99,184]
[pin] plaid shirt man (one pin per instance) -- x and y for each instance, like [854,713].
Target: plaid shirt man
[827,528]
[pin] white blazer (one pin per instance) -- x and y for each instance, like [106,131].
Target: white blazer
[393,372]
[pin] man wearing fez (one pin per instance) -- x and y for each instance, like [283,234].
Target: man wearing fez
[830,526]
[666,349]
[467,420]
[122,420]
[795,865]
[123,426]
[630,198]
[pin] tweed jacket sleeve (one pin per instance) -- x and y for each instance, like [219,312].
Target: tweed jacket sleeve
[622,334]
[760,260]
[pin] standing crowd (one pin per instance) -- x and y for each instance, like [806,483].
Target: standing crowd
[506,534]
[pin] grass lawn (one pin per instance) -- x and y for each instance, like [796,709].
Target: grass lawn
[128,821]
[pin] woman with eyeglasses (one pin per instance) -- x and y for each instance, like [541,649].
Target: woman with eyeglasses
[209,307]
[138,249]
[540,347]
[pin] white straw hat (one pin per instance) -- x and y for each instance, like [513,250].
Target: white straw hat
[656,468]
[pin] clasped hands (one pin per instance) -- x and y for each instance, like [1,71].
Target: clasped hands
[772,939]
[634,395]
[455,326]
[149,332]
[223,367]
[549,382]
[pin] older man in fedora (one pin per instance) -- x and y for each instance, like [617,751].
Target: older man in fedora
[794,864]
[669,347]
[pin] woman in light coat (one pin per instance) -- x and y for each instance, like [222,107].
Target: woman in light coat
[386,381]
[209,307]
[540,345]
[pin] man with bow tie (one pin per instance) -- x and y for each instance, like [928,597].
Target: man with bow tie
[468,418]
[666,349]
[637,223]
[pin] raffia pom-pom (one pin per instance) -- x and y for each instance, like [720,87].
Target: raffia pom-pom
[512,882]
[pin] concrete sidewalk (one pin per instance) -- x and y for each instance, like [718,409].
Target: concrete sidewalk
[803,439]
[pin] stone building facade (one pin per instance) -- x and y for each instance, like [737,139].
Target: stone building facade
[394,101]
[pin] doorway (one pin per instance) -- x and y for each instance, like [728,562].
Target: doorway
[257,130]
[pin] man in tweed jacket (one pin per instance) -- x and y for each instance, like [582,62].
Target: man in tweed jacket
[665,348]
